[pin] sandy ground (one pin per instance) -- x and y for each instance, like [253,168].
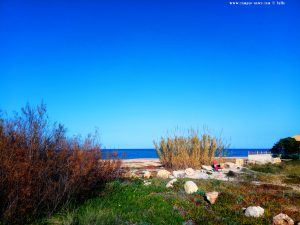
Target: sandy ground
[141,163]
[149,162]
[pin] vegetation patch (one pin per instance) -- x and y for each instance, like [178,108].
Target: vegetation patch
[193,150]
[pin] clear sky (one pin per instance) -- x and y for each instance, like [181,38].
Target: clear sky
[136,69]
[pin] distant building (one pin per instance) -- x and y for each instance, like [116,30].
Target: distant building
[297,137]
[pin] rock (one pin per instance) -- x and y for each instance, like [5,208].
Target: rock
[282,219]
[164,174]
[147,183]
[189,222]
[179,174]
[190,187]
[130,174]
[189,172]
[199,175]
[239,162]
[230,165]
[207,168]
[146,174]
[212,196]
[254,211]
[170,183]
[276,160]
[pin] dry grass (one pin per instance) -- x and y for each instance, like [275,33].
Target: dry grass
[193,150]
[41,169]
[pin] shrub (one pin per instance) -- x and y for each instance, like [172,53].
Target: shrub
[41,169]
[287,148]
[179,152]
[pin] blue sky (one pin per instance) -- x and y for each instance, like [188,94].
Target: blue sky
[137,69]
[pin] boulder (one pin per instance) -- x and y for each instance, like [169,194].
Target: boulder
[254,211]
[170,183]
[230,165]
[239,162]
[212,196]
[190,187]
[207,168]
[189,172]
[164,174]
[276,160]
[179,174]
[130,174]
[282,219]
[147,183]
[146,174]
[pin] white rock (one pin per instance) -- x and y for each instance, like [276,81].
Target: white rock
[282,219]
[189,172]
[208,168]
[178,174]
[147,174]
[276,160]
[164,174]
[254,211]
[130,174]
[230,165]
[170,183]
[190,187]
[199,175]
[147,183]
[212,196]
[239,162]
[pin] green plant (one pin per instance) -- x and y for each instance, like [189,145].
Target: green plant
[267,168]
[193,150]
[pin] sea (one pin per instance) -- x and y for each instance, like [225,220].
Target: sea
[151,153]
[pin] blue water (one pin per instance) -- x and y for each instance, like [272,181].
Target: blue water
[151,153]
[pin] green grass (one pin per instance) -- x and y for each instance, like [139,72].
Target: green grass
[288,171]
[130,202]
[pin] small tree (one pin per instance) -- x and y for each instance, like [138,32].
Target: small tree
[288,148]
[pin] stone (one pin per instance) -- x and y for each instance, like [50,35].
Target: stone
[189,222]
[147,183]
[276,160]
[239,162]
[230,165]
[212,196]
[164,174]
[254,211]
[199,175]
[190,187]
[130,174]
[146,174]
[189,172]
[170,183]
[282,219]
[207,168]
[178,174]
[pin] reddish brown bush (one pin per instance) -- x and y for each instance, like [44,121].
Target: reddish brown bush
[41,169]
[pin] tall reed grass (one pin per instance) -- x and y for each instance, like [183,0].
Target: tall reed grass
[193,150]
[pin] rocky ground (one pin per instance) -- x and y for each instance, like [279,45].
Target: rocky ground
[150,194]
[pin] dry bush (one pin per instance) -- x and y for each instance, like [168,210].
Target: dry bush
[193,150]
[41,169]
